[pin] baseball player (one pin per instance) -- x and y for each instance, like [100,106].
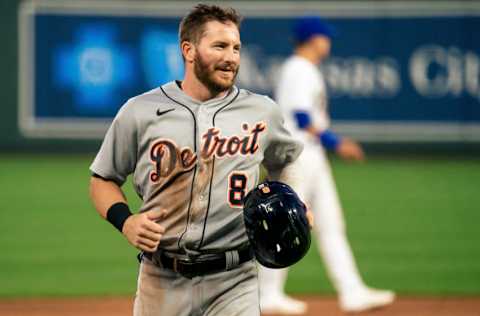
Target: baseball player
[302,96]
[194,148]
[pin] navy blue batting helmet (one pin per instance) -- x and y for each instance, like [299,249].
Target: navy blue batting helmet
[276,224]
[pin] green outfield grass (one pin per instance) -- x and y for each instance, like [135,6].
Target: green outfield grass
[413,224]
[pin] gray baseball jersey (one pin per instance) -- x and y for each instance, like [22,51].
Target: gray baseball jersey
[196,159]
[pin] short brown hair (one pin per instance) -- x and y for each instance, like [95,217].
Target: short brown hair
[192,25]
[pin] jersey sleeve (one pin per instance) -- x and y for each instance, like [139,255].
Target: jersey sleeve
[117,156]
[301,89]
[282,148]
[296,90]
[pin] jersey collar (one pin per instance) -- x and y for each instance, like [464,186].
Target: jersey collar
[173,90]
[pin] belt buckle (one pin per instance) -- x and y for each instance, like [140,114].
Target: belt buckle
[185,268]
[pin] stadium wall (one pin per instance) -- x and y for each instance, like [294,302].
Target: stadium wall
[449,83]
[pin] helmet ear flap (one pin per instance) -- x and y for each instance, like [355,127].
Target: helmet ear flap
[276,224]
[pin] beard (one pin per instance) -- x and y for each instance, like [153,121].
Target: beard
[206,74]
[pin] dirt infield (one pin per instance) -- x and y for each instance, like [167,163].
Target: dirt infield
[404,306]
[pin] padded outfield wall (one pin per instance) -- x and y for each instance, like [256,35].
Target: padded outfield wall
[399,71]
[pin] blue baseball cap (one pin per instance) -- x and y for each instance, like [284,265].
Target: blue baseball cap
[307,26]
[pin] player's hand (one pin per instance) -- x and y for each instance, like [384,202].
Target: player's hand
[143,231]
[350,150]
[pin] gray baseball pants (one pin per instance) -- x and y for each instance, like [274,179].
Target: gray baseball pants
[163,292]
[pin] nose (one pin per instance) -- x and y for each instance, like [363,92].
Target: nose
[232,55]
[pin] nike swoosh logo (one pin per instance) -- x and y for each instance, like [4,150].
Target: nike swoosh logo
[163,112]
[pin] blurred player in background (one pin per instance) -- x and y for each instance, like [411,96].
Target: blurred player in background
[302,96]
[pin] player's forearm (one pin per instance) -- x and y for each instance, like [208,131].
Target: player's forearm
[104,194]
[304,122]
[312,130]
[291,175]
[327,138]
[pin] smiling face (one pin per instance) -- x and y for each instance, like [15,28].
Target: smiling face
[216,56]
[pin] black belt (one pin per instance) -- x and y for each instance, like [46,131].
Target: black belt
[189,268]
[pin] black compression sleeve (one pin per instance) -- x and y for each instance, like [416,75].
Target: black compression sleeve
[117,214]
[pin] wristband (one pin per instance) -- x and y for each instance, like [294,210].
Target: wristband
[117,214]
[329,139]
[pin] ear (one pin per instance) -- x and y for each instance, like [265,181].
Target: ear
[188,51]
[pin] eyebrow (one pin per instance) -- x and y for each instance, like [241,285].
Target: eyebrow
[225,42]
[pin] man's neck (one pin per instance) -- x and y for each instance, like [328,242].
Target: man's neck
[308,54]
[197,90]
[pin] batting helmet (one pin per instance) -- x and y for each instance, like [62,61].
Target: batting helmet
[276,224]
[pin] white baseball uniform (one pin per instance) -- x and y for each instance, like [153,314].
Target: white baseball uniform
[301,87]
